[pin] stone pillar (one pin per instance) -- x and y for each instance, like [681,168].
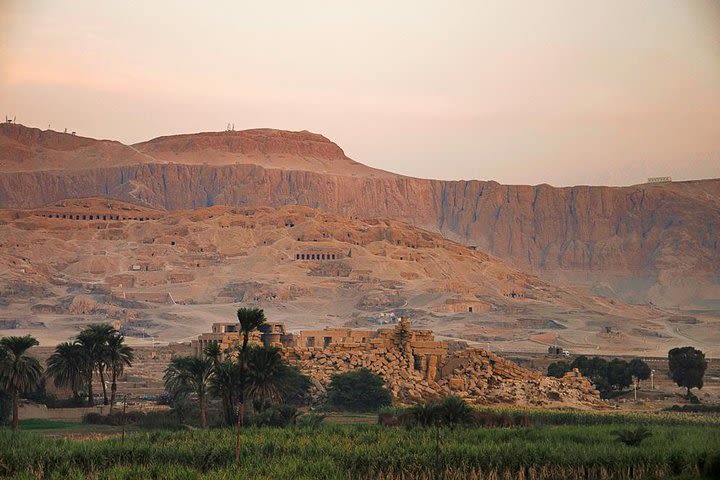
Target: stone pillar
[431,368]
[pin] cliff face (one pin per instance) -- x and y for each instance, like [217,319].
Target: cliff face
[648,228]
[645,231]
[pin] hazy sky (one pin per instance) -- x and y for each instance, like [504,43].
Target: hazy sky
[563,92]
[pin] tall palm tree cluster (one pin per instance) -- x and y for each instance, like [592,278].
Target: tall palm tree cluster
[97,349]
[233,376]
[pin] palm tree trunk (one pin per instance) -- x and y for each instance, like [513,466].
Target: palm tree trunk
[16,412]
[91,398]
[113,389]
[241,398]
[203,417]
[229,411]
[102,381]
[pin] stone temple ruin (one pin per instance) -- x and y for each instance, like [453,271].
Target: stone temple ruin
[415,366]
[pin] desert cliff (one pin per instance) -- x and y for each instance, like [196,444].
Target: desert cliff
[640,243]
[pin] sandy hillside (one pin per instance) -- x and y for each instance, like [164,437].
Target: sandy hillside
[171,274]
[645,244]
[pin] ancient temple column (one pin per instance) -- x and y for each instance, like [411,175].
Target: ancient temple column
[431,368]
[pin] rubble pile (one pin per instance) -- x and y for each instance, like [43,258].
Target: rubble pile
[479,376]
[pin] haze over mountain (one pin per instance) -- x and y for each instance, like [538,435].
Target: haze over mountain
[641,243]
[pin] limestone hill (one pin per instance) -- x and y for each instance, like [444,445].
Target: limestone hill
[171,274]
[644,243]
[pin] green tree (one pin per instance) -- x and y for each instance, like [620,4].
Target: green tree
[687,367]
[190,375]
[67,366]
[271,380]
[213,352]
[639,369]
[118,355]
[250,319]
[18,371]
[618,374]
[607,377]
[94,340]
[224,384]
[558,369]
[358,390]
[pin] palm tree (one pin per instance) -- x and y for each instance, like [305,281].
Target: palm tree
[94,340]
[213,352]
[118,356]
[67,366]
[265,375]
[18,371]
[185,375]
[224,384]
[250,319]
[271,378]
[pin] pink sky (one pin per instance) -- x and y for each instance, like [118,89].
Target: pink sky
[559,92]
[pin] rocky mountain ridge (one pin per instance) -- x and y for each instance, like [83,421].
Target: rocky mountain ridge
[641,243]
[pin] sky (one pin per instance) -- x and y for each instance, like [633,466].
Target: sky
[565,92]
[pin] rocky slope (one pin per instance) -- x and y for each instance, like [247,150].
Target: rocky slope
[171,274]
[641,243]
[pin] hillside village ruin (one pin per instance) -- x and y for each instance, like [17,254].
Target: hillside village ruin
[415,366]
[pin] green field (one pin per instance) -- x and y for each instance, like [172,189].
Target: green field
[558,445]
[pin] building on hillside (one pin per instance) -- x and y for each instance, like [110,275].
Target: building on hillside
[228,335]
[659,180]
[422,351]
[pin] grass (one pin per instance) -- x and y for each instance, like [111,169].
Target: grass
[584,447]
[39,424]
[540,416]
[347,418]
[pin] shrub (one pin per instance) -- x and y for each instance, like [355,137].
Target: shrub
[426,414]
[633,438]
[497,420]
[451,411]
[115,418]
[695,408]
[558,369]
[455,411]
[276,416]
[160,420]
[358,390]
[311,420]
[92,418]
